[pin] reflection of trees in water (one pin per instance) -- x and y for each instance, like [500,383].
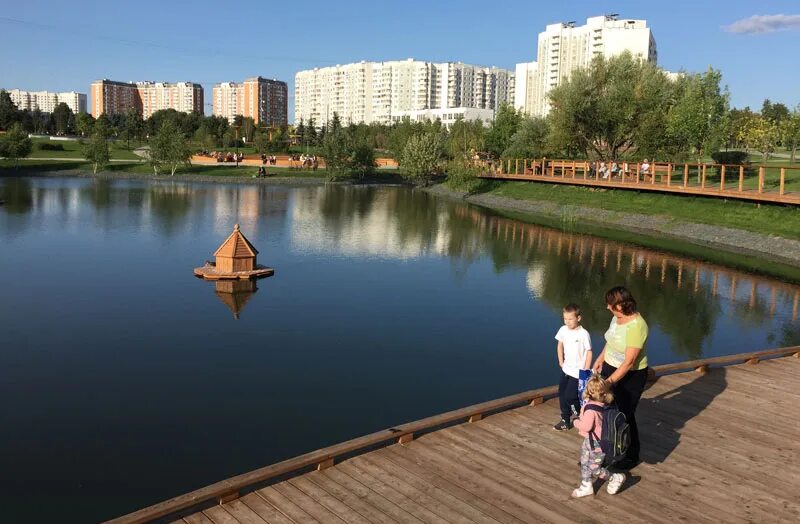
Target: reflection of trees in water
[98,193]
[170,204]
[18,195]
[682,296]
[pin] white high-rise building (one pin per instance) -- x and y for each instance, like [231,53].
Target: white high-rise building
[226,100]
[378,91]
[46,101]
[565,47]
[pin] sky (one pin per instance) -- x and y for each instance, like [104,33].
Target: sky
[64,46]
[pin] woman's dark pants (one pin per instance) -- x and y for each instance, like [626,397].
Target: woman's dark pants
[627,393]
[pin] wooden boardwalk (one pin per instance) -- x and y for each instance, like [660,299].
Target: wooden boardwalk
[708,180]
[717,447]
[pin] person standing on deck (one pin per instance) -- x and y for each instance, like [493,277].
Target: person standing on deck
[623,362]
[574,351]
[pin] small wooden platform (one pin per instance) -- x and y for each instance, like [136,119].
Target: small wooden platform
[210,272]
[718,446]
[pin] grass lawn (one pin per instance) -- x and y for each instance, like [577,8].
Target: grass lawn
[783,221]
[74,149]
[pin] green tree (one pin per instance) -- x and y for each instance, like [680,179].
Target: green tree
[63,119]
[505,125]
[790,132]
[336,153]
[697,120]
[9,114]
[248,129]
[96,150]
[261,142]
[421,159]
[131,127]
[465,138]
[610,106]
[103,126]
[311,132]
[530,140]
[168,148]
[300,131]
[362,160]
[15,144]
[776,112]
[761,134]
[84,123]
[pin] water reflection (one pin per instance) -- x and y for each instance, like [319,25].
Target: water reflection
[235,293]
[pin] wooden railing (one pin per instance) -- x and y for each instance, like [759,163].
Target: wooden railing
[232,488]
[746,182]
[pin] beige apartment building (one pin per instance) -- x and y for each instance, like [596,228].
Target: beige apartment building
[379,91]
[112,97]
[565,47]
[46,102]
[265,101]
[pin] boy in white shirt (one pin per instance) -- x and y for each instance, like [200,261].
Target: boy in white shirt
[574,354]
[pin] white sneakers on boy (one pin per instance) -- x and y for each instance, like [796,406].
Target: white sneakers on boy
[584,490]
[615,482]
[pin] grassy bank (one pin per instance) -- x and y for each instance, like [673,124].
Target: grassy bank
[74,149]
[783,221]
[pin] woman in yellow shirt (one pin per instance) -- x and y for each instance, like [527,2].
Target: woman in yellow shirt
[623,362]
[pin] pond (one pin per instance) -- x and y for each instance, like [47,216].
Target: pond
[126,380]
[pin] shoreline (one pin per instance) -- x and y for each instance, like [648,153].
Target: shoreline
[733,241]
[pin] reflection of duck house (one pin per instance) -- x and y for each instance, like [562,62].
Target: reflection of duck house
[235,293]
[235,259]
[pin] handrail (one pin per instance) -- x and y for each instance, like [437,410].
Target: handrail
[229,489]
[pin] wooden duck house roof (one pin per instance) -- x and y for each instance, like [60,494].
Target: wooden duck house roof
[236,246]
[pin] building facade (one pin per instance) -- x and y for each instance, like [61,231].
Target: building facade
[265,101]
[565,47]
[379,91]
[46,101]
[112,97]
[447,116]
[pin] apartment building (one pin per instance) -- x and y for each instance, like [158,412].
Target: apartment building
[112,97]
[265,101]
[379,91]
[46,101]
[565,47]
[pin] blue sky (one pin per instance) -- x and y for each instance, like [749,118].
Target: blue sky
[64,46]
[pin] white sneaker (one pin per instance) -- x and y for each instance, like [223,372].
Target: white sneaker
[584,490]
[615,482]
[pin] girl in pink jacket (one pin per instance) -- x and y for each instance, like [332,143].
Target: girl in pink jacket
[590,426]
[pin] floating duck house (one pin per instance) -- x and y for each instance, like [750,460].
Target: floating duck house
[236,259]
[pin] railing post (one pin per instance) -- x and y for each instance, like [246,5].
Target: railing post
[783,180]
[597,170]
[722,178]
[563,168]
[653,170]
[741,178]
[669,174]
[585,170]
[685,175]
[553,168]
[516,166]
[760,179]
[703,178]
[638,171]
[573,170]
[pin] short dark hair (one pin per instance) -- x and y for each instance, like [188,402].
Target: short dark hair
[573,308]
[620,296]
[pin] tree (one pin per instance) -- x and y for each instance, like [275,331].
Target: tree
[762,135]
[311,132]
[362,160]
[790,132]
[9,114]
[168,148]
[131,126]
[63,119]
[335,152]
[505,124]
[697,120]
[96,150]
[248,129]
[84,123]
[530,140]
[421,159]
[776,112]
[261,142]
[465,138]
[610,106]
[300,131]
[15,144]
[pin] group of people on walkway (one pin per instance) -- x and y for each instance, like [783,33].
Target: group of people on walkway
[611,169]
[593,395]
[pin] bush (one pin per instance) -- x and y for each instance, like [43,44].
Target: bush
[730,157]
[44,146]
[462,176]
[422,156]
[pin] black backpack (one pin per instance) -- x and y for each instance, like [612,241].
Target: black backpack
[616,434]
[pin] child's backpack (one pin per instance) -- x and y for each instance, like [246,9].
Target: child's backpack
[616,435]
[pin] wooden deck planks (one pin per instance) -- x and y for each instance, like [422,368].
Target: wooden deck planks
[716,447]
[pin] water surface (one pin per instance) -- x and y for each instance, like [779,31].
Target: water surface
[126,380]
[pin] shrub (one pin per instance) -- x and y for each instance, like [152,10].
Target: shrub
[422,156]
[730,157]
[44,146]
[462,177]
